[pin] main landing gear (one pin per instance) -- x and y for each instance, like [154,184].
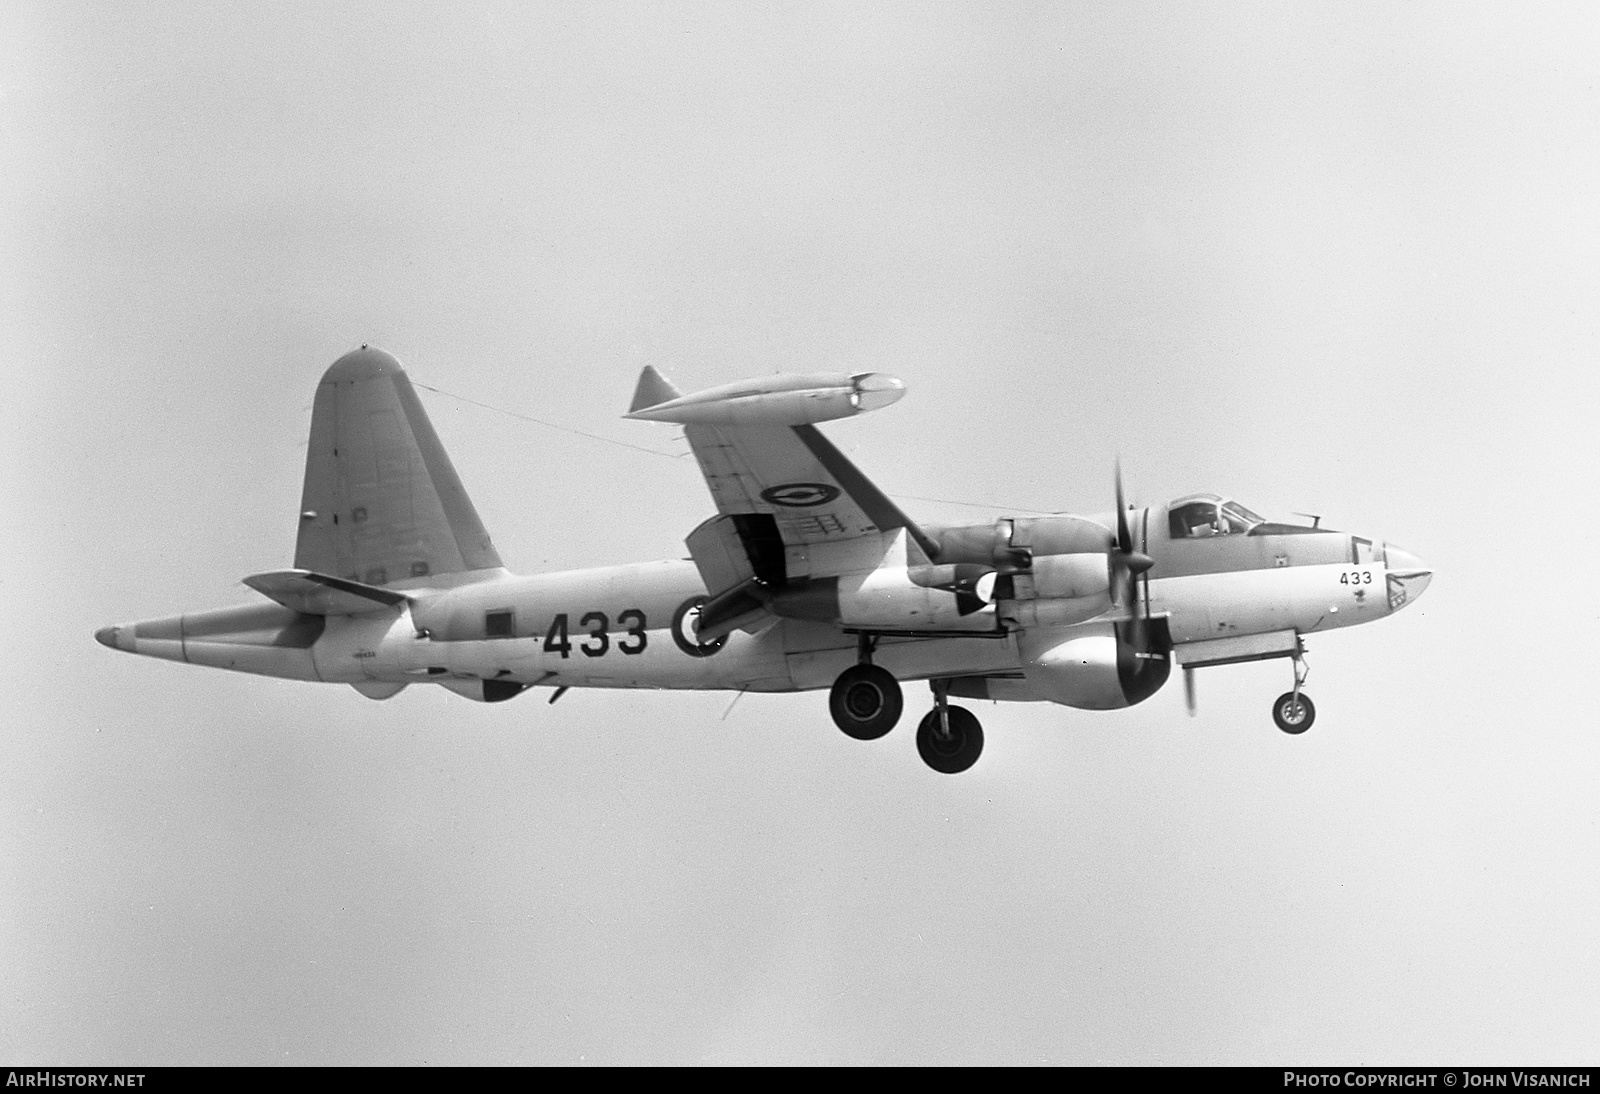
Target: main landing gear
[949,739]
[866,703]
[866,700]
[1293,710]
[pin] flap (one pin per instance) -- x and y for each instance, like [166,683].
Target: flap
[722,557]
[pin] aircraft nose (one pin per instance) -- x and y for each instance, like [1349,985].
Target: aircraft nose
[107,636]
[1408,576]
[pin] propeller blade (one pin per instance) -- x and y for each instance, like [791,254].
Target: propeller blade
[1188,691]
[1124,537]
[1130,564]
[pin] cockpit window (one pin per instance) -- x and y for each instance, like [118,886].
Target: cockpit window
[1203,518]
[1240,518]
[1196,520]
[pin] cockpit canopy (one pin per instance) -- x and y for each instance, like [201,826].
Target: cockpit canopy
[1201,516]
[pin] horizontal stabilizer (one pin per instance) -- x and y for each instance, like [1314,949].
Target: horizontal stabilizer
[653,389]
[321,594]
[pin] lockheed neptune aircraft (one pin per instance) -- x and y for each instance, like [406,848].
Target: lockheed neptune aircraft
[808,577]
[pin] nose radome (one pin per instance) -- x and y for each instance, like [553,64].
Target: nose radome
[1408,576]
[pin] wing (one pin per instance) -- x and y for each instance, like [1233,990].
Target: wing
[795,516]
[795,475]
[794,513]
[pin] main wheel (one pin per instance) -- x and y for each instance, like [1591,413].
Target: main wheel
[1294,716]
[865,702]
[953,754]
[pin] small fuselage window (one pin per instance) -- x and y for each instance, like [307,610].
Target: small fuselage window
[499,624]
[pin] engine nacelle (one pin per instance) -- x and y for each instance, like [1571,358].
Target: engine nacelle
[1098,667]
[1013,541]
[1069,577]
[1053,571]
[1060,612]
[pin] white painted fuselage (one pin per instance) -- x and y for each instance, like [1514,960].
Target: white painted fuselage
[631,626]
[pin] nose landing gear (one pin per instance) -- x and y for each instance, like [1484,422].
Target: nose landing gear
[1293,713]
[1293,710]
[949,739]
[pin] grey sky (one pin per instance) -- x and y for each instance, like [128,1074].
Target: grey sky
[1344,260]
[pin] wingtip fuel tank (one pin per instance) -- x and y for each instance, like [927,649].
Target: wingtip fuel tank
[771,400]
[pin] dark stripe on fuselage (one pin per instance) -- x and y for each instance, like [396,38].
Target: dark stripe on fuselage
[1234,554]
[252,625]
[815,598]
[256,625]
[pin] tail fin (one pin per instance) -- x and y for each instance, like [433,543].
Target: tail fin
[381,501]
[653,388]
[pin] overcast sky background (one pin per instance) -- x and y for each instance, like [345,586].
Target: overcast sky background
[1344,260]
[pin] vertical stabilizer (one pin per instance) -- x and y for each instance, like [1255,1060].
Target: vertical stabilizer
[382,502]
[652,389]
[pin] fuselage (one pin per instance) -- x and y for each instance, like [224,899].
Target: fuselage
[490,634]
[806,577]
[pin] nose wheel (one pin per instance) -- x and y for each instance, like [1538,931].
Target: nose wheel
[1294,713]
[1293,710]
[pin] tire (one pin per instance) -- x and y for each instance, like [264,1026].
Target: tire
[865,702]
[1290,718]
[960,751]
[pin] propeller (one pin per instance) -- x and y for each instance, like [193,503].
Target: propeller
[1189,699]
[1128,564]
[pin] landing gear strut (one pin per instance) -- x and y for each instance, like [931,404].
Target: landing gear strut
[866,701]
[1293,710]
[949,739]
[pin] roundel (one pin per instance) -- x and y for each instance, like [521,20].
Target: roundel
[683,621]
[800,495]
